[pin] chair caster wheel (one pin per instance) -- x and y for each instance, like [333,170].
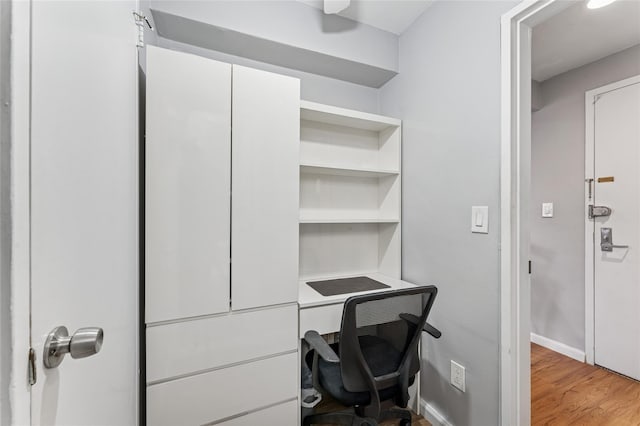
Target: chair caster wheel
[405,422]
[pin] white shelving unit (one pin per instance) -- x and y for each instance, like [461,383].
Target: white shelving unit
[350,209]
[350,177]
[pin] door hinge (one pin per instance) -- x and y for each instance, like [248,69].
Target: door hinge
[141,21]
[33,374]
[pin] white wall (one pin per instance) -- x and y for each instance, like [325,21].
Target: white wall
[557,175]
[448,94]
[5,219]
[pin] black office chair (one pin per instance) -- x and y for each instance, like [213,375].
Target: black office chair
[378,360]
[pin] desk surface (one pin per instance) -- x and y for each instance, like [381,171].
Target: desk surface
[308,297]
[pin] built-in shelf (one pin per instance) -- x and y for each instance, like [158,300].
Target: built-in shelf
[348,220]
[345,117]
[346,171]
[350,190]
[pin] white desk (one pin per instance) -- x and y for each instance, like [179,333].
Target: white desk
[324,313]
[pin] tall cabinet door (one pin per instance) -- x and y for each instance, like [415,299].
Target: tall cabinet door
[265,174]
[188,178]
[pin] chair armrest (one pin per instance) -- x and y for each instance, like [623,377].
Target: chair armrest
[322,348]
[432,330]
[427,327]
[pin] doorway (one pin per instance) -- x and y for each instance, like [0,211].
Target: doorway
[559,374]
[518,210]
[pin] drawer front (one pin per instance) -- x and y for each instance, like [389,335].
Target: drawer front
[323,319]
[223,393]
[192,346]
[280,415]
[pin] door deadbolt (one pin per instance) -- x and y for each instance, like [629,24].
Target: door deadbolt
[598,211]
[84,342]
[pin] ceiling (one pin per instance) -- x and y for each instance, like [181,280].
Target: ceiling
[394,16]
[578,36]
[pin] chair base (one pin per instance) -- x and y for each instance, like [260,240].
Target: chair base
[349,418]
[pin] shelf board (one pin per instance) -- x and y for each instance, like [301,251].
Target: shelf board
[346,220]
[345,117]
[346,171]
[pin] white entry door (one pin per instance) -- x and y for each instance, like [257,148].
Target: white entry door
[84,207]
[616,136]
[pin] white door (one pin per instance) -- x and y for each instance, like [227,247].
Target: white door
[84,207]
[617,269]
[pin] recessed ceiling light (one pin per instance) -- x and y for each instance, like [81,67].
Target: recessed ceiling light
[597,4]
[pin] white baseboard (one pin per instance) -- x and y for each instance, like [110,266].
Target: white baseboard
[432,415]
[561,348]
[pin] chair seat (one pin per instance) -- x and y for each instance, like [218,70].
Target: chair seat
[382,359]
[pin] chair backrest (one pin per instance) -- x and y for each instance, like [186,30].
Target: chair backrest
[378,314]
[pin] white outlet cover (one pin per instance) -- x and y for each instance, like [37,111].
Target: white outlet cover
[547,209]
[458,379]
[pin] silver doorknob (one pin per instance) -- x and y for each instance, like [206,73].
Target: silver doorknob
[84,342]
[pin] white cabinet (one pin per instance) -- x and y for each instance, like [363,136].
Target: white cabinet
[221,241]
[188,184]
[264,222]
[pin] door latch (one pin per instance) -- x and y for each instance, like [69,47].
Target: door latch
[606,240]
[33,374]
[598,211]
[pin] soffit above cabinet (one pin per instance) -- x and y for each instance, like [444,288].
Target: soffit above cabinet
[286,34]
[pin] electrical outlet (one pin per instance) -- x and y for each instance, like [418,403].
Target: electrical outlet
[457,375]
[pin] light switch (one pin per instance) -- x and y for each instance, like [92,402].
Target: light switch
[480,219]
[547,209]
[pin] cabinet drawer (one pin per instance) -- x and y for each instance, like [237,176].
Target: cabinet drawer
[201,344]
[282,414]
[223,393]
[323,319]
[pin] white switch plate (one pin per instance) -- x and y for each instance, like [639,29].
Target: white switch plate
[547,209]
[458,375]
[480,219]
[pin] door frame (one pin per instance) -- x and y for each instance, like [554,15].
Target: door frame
[19,193]
[515,166]
[590,97]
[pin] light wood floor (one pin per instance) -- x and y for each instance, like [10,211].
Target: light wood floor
[567,392]
[331,405]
